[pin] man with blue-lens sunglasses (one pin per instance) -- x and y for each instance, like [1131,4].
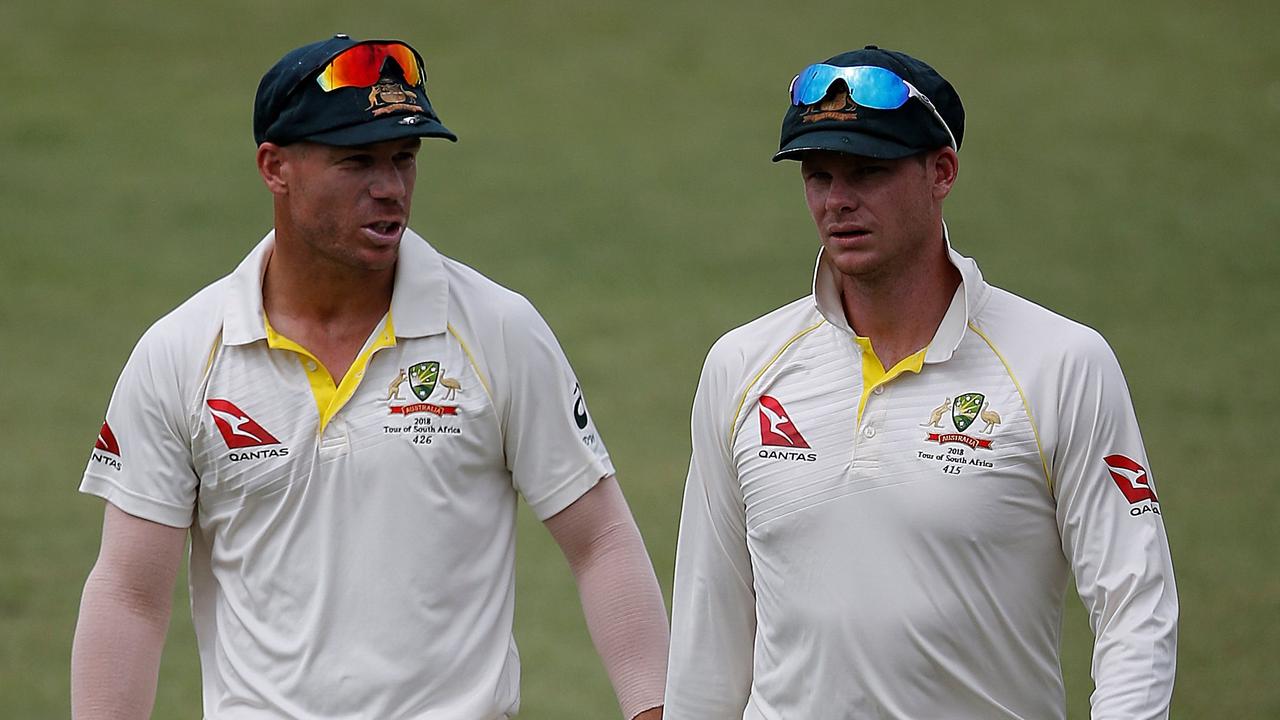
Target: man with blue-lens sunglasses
[894,478]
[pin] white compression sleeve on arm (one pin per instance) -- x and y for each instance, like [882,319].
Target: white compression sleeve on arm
[620,595]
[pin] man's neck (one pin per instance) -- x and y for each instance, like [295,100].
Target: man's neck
[324,292]
[902,313]
[329,309]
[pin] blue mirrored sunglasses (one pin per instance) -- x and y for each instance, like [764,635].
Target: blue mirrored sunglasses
[869,86]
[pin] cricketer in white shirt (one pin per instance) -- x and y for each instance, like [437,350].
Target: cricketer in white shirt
[352,556]
[855,544]
[881,524]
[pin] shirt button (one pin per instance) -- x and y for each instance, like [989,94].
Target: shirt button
[311,366]
[879,390]
[869,432]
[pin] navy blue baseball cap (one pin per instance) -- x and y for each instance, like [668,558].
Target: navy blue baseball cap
[868,111]
[342,91]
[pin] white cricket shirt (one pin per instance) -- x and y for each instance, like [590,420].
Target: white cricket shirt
[862,544]
[352,547]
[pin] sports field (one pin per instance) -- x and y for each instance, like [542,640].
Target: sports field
[1119,165]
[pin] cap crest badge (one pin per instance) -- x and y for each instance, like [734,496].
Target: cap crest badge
[388,96]
[835,106]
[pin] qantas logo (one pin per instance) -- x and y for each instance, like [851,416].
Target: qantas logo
[776,427]
[1131,478]
[237,428]
[106,451]
[107,441]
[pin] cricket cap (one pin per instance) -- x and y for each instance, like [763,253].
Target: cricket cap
[372,95]
[836,122]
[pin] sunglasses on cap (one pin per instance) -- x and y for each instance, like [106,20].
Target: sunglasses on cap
[870,86]
[361,65]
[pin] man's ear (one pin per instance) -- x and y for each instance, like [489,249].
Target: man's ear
[272,160]
[945,167]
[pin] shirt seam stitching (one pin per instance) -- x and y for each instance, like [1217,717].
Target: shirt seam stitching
[474,365]
[132,494]
[1026,405]
[742,400]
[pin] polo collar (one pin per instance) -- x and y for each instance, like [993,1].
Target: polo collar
[971,294]
[419,298]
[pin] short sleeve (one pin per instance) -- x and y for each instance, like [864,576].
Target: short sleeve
[141,461]
[553,450]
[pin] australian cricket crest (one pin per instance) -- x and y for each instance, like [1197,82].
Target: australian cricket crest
[423,378]
[965,409]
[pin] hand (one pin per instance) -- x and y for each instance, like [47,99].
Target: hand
[652,714]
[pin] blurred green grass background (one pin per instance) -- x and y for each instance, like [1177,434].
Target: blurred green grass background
[1119,165]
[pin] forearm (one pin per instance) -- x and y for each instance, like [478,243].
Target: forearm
[1135,653]
[115,658]
[124,614]
[627,619]
[621,600]
[713,609]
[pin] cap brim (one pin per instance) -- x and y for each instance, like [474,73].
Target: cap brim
[843,141]
[382,129]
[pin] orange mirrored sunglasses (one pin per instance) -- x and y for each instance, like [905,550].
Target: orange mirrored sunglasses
[361,65]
